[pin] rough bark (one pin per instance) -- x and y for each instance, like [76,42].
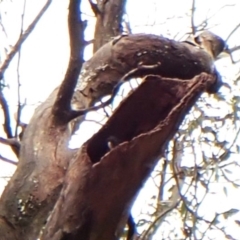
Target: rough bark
[118,57]
[100,183]
[44,154]
[109,15]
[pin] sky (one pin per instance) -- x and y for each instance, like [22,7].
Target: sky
[44,56]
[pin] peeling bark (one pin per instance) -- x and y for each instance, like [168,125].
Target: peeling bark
[89,206]
[111,62]
[101,184]
[44,155]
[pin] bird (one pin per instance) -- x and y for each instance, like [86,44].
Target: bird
[209,42]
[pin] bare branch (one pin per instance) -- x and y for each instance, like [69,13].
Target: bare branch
[192,17]
[89,42]
[18,77]
[10,142]
[204,24]
[7,119]
[126,165]
[232,32]
[127,27]
[62,105]
[162,181]
[22,38]
[109,22]
[19,108]
[94,7]
[230,51]
[159,218]
[7,160]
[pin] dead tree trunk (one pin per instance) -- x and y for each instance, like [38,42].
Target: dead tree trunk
[97,184]
[100,183]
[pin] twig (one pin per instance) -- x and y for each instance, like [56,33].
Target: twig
[159,217]
[205,22]
[22,38]
[232,32]
[7,122]
[230,51]
[192,17]
[8,160]
[18,94]
[163,181]
[3,28]
[89,42]
[10,142]
[127,25]
[104,110]
[6,113]
[18,76]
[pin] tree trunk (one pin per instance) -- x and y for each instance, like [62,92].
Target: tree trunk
[89,189]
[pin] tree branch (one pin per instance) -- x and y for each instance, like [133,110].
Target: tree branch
[10,142]
[109,22]
[62,105]
[94,7]
[192,17]
[230,51]
[7,123]
[131,52]
[7,120]
[7,160]
[22,38]
[232,32]
[20,106]
[143,133]
[127,76]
